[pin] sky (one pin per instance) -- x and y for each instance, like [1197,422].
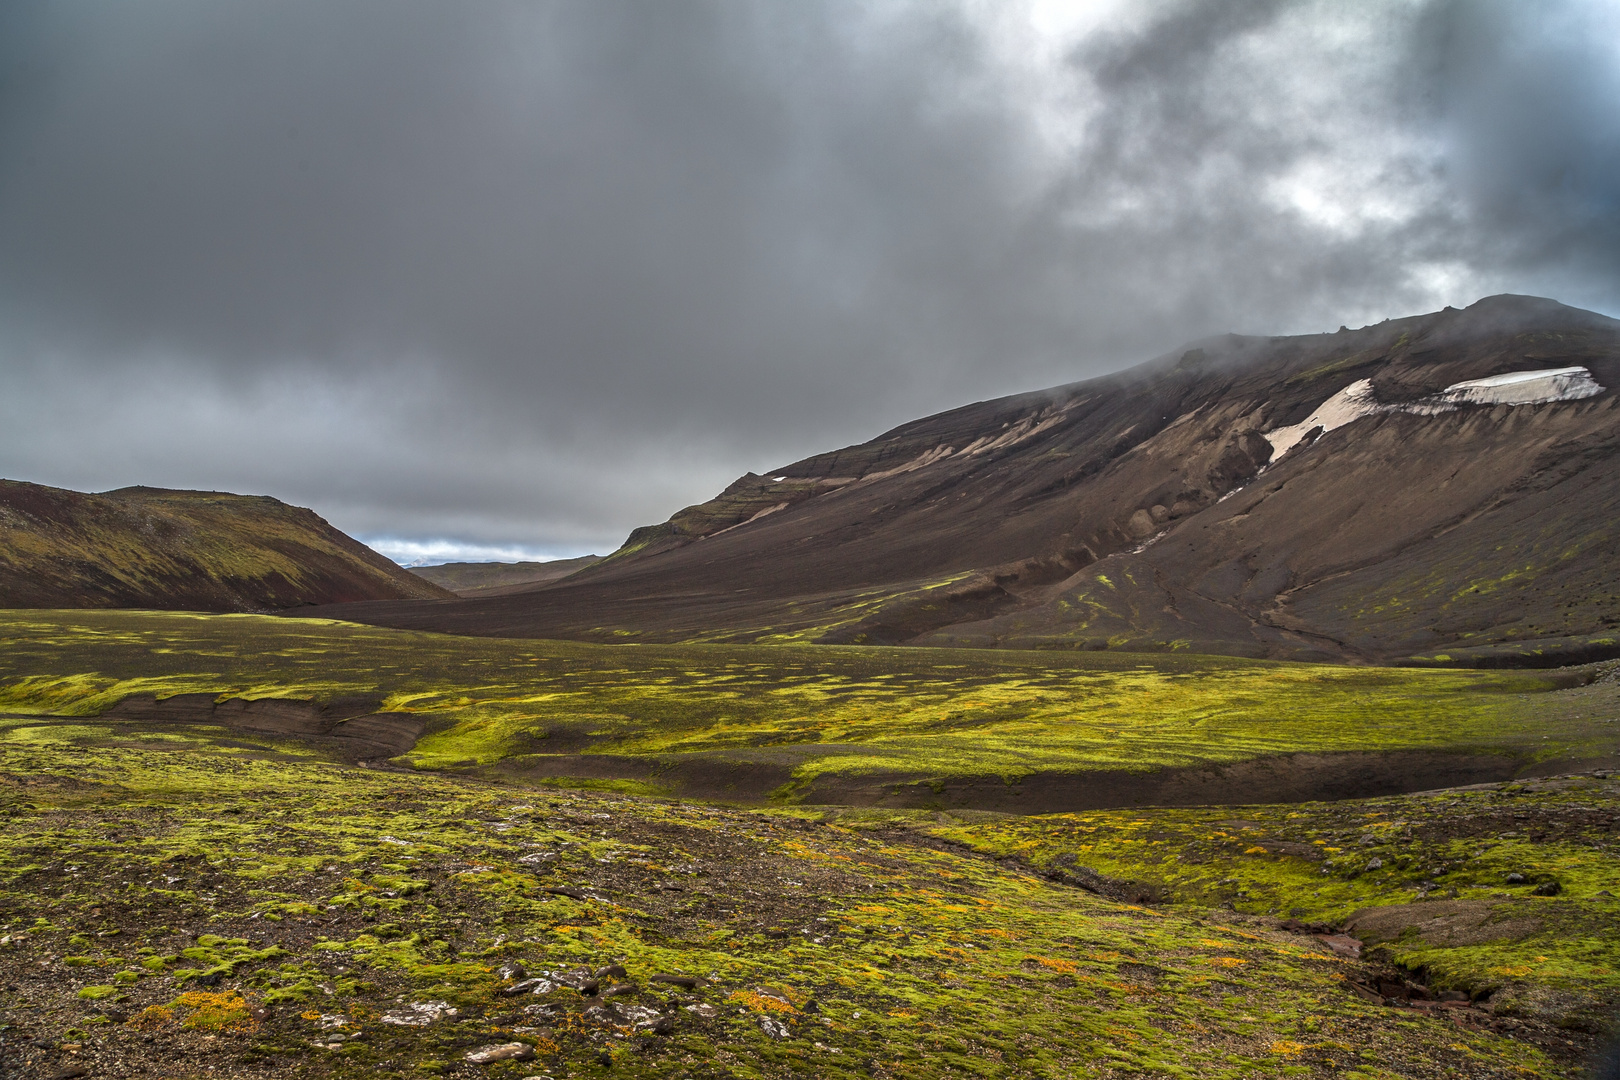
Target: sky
[506,280]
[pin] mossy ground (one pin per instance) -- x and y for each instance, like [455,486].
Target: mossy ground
[186,900]
[533,707]
[1507,892]
[266,918]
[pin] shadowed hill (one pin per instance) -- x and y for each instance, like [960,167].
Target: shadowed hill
[182,550]
[498,579]
[1347,496]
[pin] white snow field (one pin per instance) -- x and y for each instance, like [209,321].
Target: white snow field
[1513,388]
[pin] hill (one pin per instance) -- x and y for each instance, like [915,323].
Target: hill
[182,550]
[499,579]
[1436,489]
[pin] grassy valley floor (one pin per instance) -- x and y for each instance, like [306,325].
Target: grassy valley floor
[815,724]
[243,846]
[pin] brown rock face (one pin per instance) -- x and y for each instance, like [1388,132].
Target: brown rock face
[182,550]
[1145,511]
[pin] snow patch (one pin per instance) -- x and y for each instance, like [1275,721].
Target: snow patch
[1513,388]
[1351,403]
[1524,388]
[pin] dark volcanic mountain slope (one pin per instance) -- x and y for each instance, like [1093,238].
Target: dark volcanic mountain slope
[1152,510]
[182,550]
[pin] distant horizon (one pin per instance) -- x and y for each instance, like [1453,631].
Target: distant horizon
[414,554]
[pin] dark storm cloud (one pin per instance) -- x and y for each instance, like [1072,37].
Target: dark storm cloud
[536,273]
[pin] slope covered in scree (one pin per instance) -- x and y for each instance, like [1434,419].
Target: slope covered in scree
[1440,488]
[182,550]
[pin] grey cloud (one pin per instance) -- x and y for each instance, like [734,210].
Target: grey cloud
[537,273]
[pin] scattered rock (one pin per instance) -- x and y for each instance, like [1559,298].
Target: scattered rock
[613,971]
[524,987]
[1516,878]
[1365,993]
[773,1027]
[488,1055]
[1343,944]
[664,1025]
[1547,888]
[685,982]
[1375,863]
[420,1013]
[572,894]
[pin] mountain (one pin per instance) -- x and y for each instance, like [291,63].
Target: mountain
[1443,488]
[500,579]
[182,550]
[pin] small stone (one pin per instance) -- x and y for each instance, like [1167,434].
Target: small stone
[664,1025]
[1343,944]
[1515,878]
[613,971]
[488,1055]
[685,982]
[1547,888]
[773,1027]
[522,987]
[1375,864]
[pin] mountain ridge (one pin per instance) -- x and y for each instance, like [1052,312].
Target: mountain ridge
[182,550]
[1075,517]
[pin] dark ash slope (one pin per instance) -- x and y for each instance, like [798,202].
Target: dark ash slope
[1132,512]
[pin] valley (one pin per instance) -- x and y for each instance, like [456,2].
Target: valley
[204,870]
[1252,712]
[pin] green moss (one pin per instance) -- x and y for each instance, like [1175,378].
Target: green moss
[1328,862]
[914,956]
[530,709]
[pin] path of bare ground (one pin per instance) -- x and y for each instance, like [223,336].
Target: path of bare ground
[349,726]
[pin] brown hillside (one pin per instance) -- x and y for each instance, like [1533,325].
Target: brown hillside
[500,579]
[182,550]
[1145,511]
